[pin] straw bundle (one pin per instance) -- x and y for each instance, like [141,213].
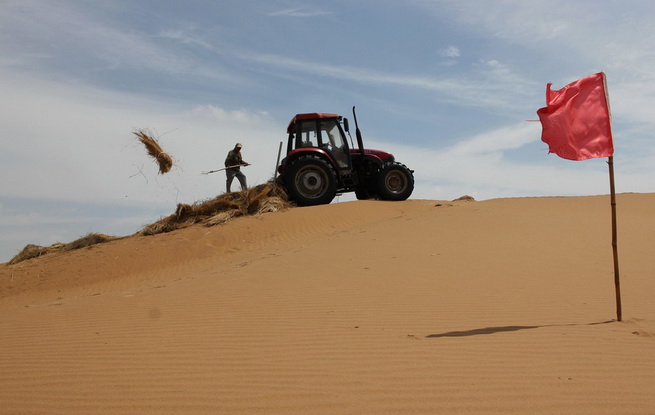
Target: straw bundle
[155,151]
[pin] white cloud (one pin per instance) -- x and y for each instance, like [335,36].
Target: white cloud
[451,52]
[607,34]
[516,20]
[222,114]
[299,12]
[65,42]
[502,139]
[183,36]
[476,91]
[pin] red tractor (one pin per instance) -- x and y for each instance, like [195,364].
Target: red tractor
[320,163]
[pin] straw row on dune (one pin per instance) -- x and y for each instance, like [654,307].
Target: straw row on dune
[267,197]
[33,251]
[264,198]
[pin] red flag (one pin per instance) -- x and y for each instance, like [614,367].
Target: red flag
[576,120]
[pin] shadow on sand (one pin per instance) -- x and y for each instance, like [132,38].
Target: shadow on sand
[502,329]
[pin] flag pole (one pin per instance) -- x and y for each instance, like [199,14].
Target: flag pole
[615,250]
[617,281]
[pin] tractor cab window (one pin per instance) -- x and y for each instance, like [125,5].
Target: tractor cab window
[331,135]
[332,140]
[307,135]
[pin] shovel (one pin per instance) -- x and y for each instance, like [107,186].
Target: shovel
[225,168]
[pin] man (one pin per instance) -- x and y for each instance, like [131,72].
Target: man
[234,163]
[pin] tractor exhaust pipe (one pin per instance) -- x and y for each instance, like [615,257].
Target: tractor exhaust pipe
[358,133]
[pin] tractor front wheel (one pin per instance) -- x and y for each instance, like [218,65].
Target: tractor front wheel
[395,182]
[311,181]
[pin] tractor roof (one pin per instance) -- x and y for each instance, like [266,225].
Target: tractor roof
[308,116]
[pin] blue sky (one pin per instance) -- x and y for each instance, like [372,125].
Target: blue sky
[446,85]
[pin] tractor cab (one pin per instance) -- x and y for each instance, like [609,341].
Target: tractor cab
[322,133]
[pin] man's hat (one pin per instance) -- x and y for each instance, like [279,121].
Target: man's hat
[239,145]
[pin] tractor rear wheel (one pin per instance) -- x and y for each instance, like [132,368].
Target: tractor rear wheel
[395,182]
[311,181]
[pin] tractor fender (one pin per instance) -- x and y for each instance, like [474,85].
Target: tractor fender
[369,163]
[314,151]
[371,158]
[300,152]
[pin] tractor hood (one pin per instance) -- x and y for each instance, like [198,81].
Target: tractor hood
[382,155]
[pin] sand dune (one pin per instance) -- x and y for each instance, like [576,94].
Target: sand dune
[416,307]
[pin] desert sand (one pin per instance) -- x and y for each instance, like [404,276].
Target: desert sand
[503,306]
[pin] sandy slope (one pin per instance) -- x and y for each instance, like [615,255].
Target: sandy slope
[419,307]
